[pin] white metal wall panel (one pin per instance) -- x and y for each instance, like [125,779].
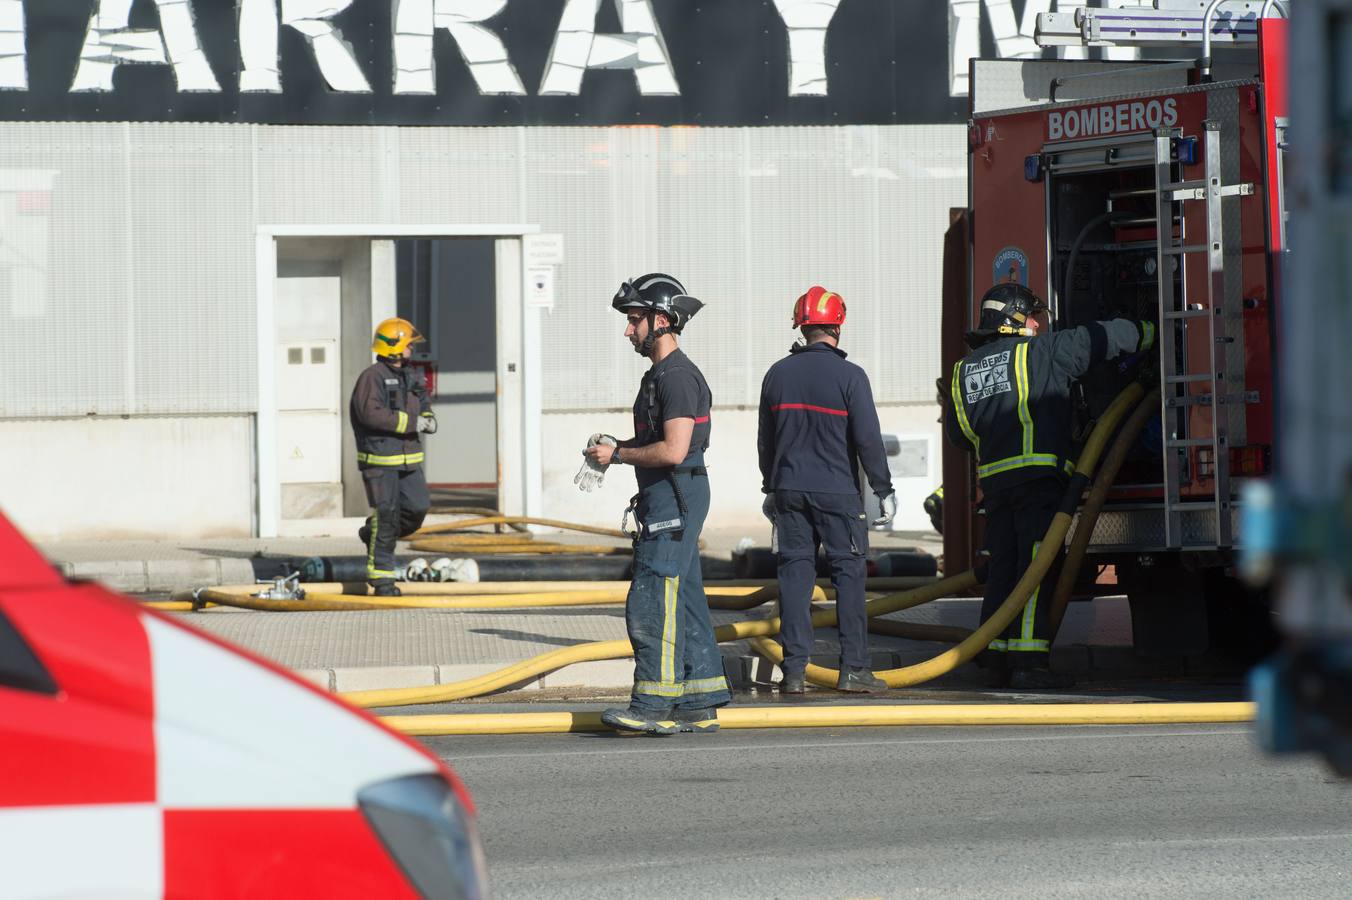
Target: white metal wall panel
[150,230]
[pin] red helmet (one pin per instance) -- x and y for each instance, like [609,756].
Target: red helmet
[819,307]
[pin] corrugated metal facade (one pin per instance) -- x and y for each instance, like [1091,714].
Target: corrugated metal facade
[129,247]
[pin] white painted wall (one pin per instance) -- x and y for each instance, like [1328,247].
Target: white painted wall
[733,469]
[140,477]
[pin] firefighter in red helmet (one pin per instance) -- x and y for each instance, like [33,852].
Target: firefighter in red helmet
[817,424]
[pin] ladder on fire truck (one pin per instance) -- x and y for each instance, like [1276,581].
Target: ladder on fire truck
[1183,23]
[1178,384]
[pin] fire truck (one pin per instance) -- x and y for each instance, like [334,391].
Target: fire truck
[1149,189]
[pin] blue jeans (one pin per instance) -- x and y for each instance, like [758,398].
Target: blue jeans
[676,661]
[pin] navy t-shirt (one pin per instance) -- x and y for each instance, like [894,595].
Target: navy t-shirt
[673,389]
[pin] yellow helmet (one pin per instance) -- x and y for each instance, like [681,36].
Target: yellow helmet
[392,336]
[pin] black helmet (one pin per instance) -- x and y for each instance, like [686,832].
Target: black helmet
[657,293]
[1005,310]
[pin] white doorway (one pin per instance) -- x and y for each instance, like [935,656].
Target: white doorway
[320,291]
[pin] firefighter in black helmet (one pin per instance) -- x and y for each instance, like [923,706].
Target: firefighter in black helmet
[678,670]
[1010,404]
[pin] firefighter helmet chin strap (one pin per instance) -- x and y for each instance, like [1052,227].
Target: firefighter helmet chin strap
[646,348]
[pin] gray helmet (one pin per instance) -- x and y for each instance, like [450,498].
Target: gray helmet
[657,293]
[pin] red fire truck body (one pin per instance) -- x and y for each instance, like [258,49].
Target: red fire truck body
[1143,191]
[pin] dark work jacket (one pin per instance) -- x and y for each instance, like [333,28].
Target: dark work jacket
[674,388]
[1010,400]
[818,423]
[386,402]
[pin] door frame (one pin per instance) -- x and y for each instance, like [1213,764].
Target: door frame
[520,472]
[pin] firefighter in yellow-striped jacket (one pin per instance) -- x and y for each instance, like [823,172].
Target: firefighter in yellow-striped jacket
[389,411]
[1009,403]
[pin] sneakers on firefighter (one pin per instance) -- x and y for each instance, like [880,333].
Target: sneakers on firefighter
[387,589]
[640,720]
[793,683]
[1035,679]
[860,681]
[696,721]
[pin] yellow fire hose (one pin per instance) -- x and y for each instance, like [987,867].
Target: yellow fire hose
[1093,505]
[477,511]
[814,716]
[1042,560]
[939,665]
[465,524]
[557,659]
[330,597]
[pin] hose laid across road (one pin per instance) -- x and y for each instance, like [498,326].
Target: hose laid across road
[813,716]
[557,659]
[909,675]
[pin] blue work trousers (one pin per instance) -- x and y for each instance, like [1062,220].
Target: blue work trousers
[804,521]
[676,660]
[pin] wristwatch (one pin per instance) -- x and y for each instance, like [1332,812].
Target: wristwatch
[615,457]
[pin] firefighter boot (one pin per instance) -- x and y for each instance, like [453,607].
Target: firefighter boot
[697,721]
[386,589]
[859,681]
[645,721]
[793,683]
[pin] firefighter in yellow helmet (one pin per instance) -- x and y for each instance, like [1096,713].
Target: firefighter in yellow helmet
[390,409]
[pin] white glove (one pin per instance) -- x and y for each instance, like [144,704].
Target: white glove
[428,423]
[768,507]
[591,475]
[888,504]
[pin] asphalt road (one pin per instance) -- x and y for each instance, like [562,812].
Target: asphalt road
[1190,811]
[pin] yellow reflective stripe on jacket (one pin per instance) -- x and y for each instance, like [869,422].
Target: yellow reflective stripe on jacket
[956,394]
[1049,460]
[401,459]
[1147,335]
[1021,386]
[401,425]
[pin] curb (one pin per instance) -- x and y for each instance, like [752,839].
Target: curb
[142,576]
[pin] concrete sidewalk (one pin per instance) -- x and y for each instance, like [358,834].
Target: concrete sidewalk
[360,650]
[349,651]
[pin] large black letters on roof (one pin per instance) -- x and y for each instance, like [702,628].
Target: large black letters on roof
[886,62]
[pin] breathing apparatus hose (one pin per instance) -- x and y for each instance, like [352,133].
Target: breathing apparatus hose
[949,660]
[1093,505]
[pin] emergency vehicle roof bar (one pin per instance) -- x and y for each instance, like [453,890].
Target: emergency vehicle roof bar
[1172,23]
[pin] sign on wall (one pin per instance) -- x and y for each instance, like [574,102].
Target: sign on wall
[499,62]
